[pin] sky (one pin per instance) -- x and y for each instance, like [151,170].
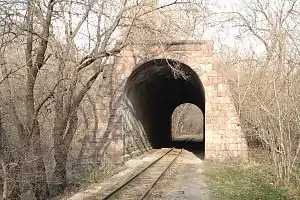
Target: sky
[225,37]
[228,35]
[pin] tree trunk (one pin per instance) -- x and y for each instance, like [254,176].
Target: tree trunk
[78,162]
[61,147]
[60,173]
[4,177]
[39,182]
[40,185]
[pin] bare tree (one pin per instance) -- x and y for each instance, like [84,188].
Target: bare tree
[265,82]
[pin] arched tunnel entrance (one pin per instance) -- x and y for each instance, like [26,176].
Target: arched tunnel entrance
[154,92]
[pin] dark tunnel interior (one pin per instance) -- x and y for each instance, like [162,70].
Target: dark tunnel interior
[154,93]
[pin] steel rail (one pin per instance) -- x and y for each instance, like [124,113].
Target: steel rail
[154,183]
[133,177]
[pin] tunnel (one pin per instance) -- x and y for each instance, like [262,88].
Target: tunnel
[154,92]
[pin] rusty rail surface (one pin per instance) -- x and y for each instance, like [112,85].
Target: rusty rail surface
[149,181]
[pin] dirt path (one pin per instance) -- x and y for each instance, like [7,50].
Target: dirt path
[184,180]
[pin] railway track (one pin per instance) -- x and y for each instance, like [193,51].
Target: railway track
[140,185]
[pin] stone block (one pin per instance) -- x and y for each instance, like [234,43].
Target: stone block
[214,106]
[215,66]
[208,127]
[221,94]
[223,126]
[216,127]
[221,87]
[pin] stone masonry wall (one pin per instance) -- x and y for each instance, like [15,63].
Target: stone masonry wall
[224,140]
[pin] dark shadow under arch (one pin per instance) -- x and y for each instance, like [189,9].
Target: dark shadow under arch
[153,93]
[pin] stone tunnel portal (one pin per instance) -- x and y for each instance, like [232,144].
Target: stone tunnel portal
[153,93]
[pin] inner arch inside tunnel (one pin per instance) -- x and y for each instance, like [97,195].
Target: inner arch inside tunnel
[153,92]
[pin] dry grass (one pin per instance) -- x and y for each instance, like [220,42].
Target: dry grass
[80,182]
[252,181]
